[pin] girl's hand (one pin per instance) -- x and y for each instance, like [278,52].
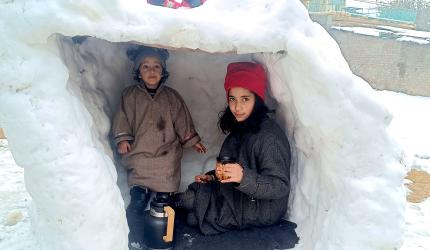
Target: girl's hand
[218,170]
[124,147]
[231,172]
[203,178]
[199,148]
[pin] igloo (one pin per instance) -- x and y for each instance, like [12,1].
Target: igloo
[63,69]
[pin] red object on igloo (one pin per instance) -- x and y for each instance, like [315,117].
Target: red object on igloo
[174,4]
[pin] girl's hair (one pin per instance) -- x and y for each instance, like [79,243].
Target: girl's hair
[164,76]
[228,123]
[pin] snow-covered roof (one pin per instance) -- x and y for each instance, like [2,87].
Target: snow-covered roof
[388,32]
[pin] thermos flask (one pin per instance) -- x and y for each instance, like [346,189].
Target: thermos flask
[158,225]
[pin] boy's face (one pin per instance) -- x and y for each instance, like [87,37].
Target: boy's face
[150,70]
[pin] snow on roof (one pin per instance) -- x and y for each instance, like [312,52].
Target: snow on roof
[399,34]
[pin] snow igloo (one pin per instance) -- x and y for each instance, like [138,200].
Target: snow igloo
[64,66]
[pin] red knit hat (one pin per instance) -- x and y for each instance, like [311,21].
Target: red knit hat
[247,75]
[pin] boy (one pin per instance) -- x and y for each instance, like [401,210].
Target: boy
[150,129]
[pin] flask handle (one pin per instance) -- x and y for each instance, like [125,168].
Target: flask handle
[170,223]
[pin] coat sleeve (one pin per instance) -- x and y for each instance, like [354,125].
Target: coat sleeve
[121,127]
[184,126]
[272,181]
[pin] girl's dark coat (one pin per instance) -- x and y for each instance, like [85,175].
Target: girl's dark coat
[261,198]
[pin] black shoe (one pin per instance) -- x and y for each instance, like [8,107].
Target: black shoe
[164,197]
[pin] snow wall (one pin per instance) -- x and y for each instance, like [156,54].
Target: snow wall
[59,89]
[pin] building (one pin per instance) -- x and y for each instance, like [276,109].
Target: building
[423,19]
[324,5]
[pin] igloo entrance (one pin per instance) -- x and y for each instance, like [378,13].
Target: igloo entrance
[99,70]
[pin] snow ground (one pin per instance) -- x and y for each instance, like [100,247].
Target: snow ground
[409,128]
[15,228]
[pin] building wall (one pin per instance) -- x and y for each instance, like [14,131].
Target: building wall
[423,19]
[386,63]
[324,5]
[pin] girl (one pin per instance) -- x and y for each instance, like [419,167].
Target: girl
[254,190]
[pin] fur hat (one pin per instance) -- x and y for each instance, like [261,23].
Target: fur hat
[247,75]
[137,55]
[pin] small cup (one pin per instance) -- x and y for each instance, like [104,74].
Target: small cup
[224,160]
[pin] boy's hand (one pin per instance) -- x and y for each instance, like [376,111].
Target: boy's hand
[124,147]
[199,148]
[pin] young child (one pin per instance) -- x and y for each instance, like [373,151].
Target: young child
[150,129]
[252,190]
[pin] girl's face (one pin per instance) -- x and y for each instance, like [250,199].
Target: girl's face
[150,70]
[241,103]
